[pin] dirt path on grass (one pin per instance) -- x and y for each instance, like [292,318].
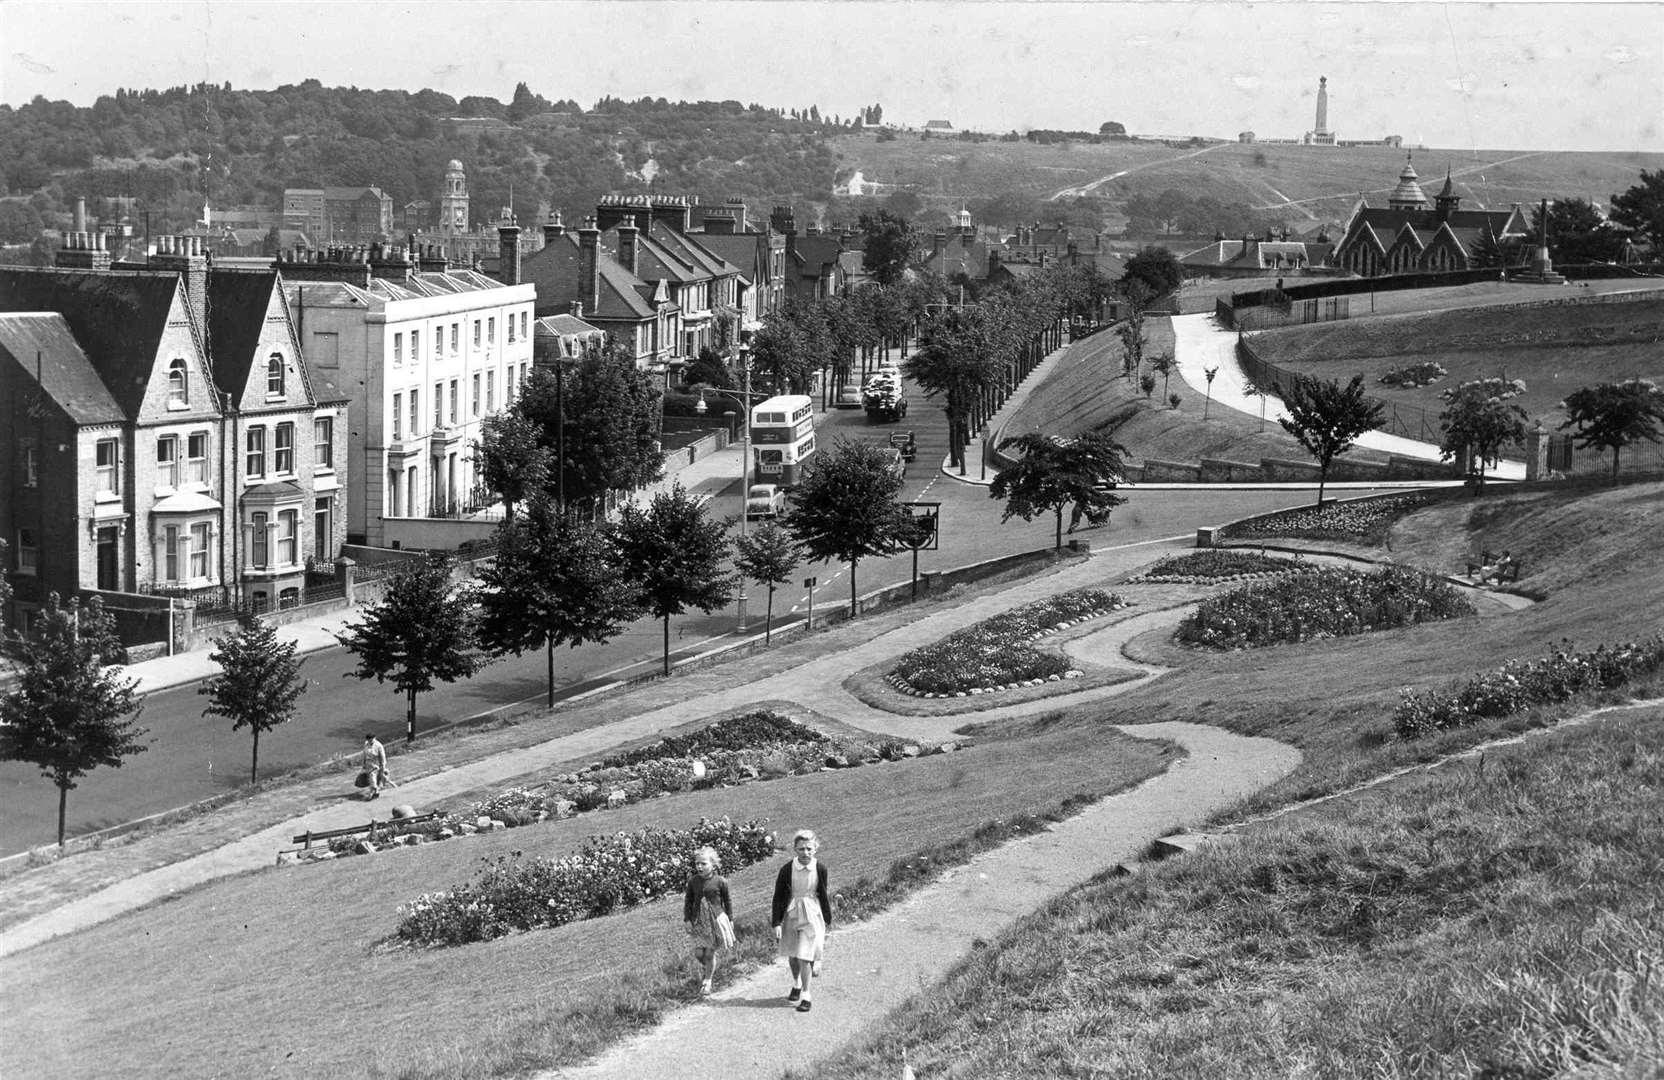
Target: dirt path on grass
[750,1031]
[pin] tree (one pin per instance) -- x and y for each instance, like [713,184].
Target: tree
[554,582]
[904,204]
[1614,415]
[1111,127]
[962,352]
[673,554]
[420,631]
[512,461]
[1164,364]
[258,684]
[67,714]
[888,245]
[1156,268]
[1053,472]
[1327,418]
[1577,232]
[782,353]
[1641,207]
[768,557]
[1131,330]
[1479,420]
[846,508]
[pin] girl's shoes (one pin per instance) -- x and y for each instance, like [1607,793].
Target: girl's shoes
[705,988]
[803,1006]
[794,995]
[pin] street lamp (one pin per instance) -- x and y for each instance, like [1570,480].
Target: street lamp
[745,470]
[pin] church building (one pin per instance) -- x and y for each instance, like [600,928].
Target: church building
[1408,236]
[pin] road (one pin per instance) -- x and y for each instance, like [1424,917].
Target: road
[192,757]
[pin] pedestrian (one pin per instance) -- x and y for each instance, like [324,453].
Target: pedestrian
[373,765]
[802,914]
[708,913]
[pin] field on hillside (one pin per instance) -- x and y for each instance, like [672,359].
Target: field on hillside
[1310,183]
[1554,349]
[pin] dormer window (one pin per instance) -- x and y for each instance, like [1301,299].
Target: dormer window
[274,375]
[179,386]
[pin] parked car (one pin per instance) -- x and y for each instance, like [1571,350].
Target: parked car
[764,500]
[903,441]
[849,397]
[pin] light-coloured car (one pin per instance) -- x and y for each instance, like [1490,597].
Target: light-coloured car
[848,397]
[764,500]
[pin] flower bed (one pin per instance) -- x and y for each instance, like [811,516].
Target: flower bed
[1323,602]
[1520,684]
[607,874]
[995,654]
[759,745]
[1365,520]
[1413,375]
[1219,565]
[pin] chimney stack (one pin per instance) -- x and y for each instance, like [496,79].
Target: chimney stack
[577,309]
[83,251]
[508,253]
[589,266]
[553,229]
[627,246]
[185,256]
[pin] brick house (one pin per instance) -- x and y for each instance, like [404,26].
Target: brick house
[1408,236]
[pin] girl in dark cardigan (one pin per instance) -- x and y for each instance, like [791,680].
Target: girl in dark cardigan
[801,914]
[708,913]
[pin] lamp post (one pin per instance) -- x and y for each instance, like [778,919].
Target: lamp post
[745,467]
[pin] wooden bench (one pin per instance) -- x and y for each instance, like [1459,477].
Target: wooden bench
[306,839]
[1507,571]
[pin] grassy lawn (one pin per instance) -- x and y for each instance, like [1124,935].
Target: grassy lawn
[1478,920]
[284,968]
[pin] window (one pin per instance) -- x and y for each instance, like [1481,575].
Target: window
[196,457]
[170,553]
[508,384]
[455,327]
[258,549]
[398,415]
[323,532]
[491,330]
[28,552]
[283,450]
[288,537]
[31,466]
[179,385]
[438,405]
[398,348]
[453,402]
[415,346]
[109,467]
[511,327]
[415,412]
[199,550]
[474,408]
[476,333]
[288,598]
[254,458]
[323,442]
[522,324]
[274,375]
[167,461]
[490,392]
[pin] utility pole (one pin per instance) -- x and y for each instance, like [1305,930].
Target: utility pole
[745,472]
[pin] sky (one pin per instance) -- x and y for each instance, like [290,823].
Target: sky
[1510,75]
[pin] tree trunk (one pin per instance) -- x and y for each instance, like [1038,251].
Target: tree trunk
[1058,511]
[1322,477]
[768,618]
[667,644]
[254,765]
[63,801]
[410,717]
[1615,466]
[852,601]
[549,657]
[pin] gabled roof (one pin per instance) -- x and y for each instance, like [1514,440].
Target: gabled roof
[66,375]
[554,272]
[814,252]
[237,304]
[685,247]
[742,252]
[1260,254]
[118,319]
[565,325]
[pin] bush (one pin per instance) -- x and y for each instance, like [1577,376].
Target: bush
[1413,375]
[1362,520]
[996,652]
[748,731]
[1520,684]
[1322,602]
[607,874]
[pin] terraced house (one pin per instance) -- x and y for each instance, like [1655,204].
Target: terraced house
[165,436]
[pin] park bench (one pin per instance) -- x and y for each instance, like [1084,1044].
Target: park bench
[306,839]
[1507,571]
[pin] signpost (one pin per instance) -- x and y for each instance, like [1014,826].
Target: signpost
[924,534]
[809,623]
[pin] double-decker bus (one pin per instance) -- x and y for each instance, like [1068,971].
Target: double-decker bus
[782,439]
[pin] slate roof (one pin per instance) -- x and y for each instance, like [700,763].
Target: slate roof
[810,253]
[1260,254]
[66,375]
[554,271]
[1384,225]
[237,304]
[118,319]
[740,251]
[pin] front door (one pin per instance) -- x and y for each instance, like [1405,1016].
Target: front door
[109,577]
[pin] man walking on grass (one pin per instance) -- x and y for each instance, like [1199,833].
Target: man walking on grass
[373,763]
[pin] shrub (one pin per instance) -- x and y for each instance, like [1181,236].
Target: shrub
[751,730]
[607,874]
[1322,602]
[1520,684]
[1413,375]
[1362,520]
[996,651]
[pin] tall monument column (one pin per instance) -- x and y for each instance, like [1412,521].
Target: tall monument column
[1322,105]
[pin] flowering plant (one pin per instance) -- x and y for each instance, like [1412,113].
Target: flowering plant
[1358,520]
[1322,602]
[1216,564]
[996,652]
[1413,375]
